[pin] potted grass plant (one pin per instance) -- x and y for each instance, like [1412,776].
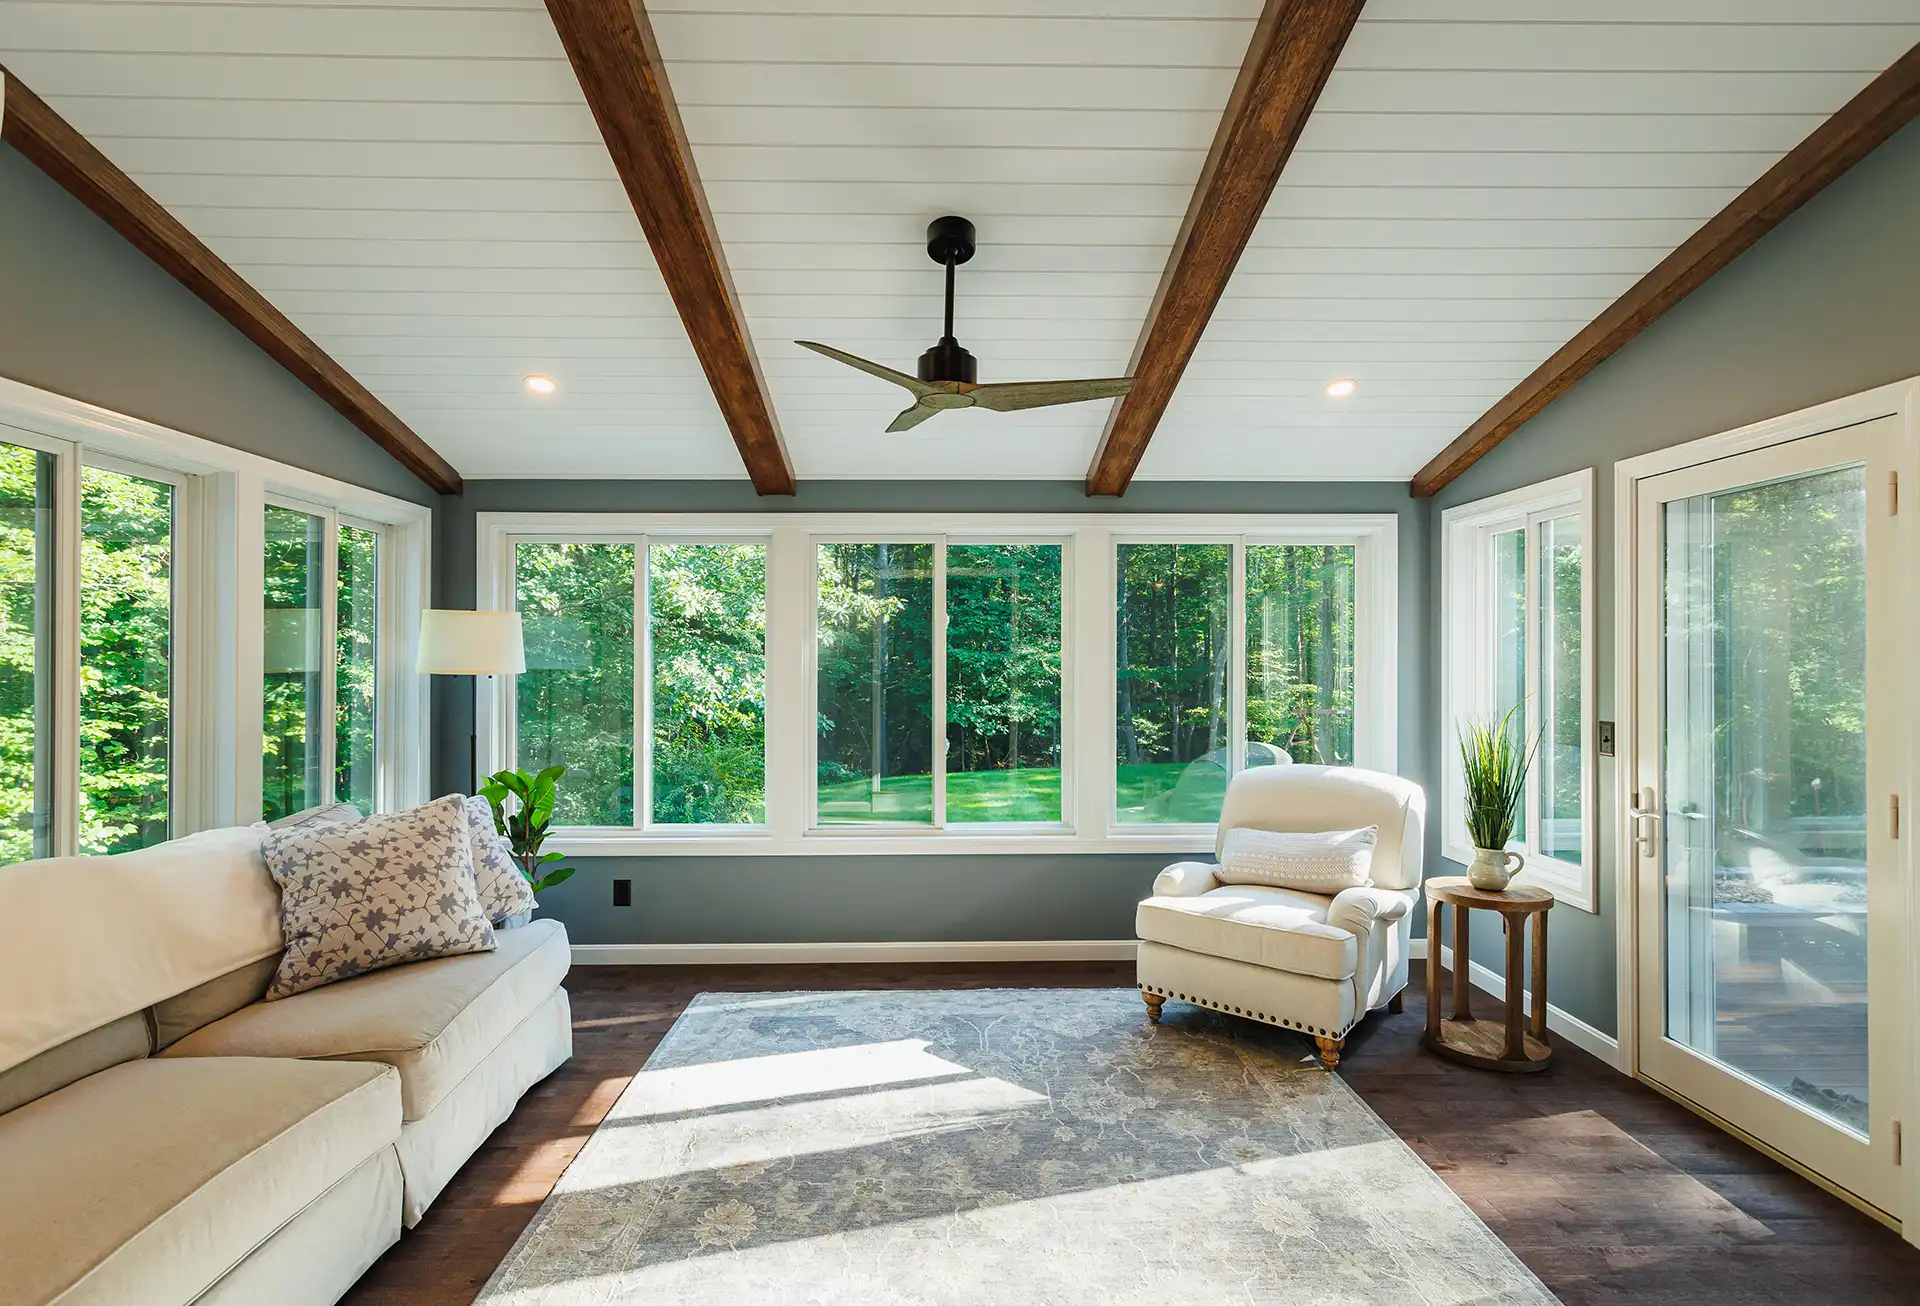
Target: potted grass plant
[1494,760]
[525,828]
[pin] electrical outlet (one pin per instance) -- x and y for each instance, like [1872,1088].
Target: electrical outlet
[623,893]
[1606,738]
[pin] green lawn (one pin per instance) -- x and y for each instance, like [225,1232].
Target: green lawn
[1148,794]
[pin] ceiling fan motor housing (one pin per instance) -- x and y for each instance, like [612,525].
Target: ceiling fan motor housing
[947,361]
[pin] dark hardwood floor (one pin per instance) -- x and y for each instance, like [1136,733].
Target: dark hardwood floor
[1610,1192]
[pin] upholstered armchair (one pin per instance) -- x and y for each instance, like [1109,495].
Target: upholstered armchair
[1302,961]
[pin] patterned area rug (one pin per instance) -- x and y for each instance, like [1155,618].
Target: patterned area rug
[1017,1147]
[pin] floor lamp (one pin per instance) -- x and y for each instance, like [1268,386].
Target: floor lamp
[454,642]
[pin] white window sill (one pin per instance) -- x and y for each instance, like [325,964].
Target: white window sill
[737,841]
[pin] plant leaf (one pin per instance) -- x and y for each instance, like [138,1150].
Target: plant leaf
[560,876]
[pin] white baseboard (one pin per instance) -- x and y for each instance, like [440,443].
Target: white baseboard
[763,954]
[1569,1027]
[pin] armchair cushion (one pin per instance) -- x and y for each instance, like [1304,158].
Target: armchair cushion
[1281,929]
[1314,862]
[1186,880]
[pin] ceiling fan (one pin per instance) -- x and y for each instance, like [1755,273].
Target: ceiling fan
[947,370]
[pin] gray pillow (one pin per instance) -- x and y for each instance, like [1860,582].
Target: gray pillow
[331,814]
[504,890]
[1323,862]
[374,893]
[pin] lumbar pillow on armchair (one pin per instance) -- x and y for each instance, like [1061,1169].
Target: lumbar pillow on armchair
[1323,862]
[374,893]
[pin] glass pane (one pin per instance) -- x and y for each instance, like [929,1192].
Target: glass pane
[709,633]
[1172,653]
[1557,768]
[876,683]
[1003,682]
[1510,640]
[292,662]
[575,702]
[26,653]
[1299,654]
[126,659]
[356,692]
[1765,772]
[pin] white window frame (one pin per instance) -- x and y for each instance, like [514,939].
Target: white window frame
[1467,666]
[219,537]
[1089,731]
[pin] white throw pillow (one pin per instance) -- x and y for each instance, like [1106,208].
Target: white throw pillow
[1322,862]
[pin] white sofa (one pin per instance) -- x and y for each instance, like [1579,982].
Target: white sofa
[166,1137]
[1303,961]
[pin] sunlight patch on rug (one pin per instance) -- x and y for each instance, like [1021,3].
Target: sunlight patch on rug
[1001,1147]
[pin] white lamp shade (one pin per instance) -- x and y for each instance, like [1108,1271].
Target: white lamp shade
[459,643]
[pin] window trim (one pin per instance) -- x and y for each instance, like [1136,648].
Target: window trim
[1466,531]
[1087,672]
[218,541]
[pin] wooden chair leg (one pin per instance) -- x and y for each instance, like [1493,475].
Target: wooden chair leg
[1330,1050]
[1397,1004]
[1154,1002]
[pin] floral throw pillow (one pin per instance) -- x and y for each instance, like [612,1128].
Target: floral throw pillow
[504,891]
[377,892]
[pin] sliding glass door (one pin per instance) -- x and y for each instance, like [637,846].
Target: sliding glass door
[1769,904]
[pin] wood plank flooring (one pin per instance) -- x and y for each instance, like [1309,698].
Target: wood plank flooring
[1611,1193]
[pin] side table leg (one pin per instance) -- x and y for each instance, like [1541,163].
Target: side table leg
[1462,1009]
[1540,976]
[1433,969]
[1516,927]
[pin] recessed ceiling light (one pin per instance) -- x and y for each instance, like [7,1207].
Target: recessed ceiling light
[1342,388]
[540,385]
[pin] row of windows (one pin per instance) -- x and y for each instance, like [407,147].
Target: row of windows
[940,676]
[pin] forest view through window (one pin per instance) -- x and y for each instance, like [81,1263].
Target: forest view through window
[26,653]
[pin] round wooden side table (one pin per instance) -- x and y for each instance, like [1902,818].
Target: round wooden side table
[1513,1044]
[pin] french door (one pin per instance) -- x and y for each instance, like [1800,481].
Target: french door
[1765,800]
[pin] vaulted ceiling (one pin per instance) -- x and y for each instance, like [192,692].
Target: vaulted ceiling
[422,189]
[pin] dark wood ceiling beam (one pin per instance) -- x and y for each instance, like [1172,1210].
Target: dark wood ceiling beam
[610,44]
[53,146]
[1887,104]
[1292,53]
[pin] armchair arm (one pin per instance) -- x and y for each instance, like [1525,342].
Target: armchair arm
[1358,910]
[1186,880]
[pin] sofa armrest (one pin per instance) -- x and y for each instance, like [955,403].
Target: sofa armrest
[1358,910]
[1186,880]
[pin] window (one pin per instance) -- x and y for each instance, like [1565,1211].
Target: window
[126,660]
[320,662]
[1516,640]
[879,683]
[26,653]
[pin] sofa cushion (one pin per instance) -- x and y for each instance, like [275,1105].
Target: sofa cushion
[433,1021]
[379,892]
[125,1039]
[149,1181]
[178,1016]
[1281,929]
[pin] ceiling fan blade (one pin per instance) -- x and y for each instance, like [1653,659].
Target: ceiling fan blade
[1041,394]
[911,418]
[885,373]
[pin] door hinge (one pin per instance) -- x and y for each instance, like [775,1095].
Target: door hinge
[1893,494]
[1893,815]
[1896,1142]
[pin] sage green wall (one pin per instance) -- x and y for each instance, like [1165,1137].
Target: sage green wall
[932,897]
[1827,305]
[85,314]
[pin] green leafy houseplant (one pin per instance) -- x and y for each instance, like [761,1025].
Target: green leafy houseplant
[525,828]
[1494,761]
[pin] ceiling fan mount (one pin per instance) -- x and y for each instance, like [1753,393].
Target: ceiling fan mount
[947,371]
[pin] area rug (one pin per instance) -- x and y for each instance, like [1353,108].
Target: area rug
[997,1147]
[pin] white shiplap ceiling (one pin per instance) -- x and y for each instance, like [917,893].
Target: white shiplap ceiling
[420,186]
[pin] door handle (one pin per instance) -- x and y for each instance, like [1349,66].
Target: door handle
[1646,823]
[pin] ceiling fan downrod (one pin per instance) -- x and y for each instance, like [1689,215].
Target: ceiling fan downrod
[949,243]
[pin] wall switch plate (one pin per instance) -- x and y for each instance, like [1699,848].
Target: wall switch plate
[623,893]
[1606,739]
